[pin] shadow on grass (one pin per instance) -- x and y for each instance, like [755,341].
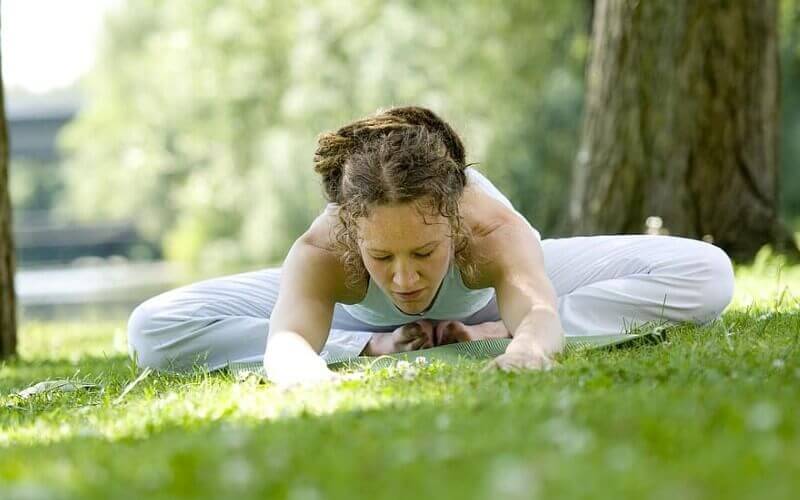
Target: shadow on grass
[742,349]
[20,373]
[546,426]
[205,459]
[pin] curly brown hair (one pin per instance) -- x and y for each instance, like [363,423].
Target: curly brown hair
[401,155]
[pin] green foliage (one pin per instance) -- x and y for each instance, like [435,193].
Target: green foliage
[203,116]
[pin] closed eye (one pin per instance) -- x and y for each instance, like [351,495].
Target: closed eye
[420,255]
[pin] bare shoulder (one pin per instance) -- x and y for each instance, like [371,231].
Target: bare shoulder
[482,214]
[496,230]
[318,233]
[510,248]
[321,262]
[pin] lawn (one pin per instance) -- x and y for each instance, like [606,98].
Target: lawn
[712,413]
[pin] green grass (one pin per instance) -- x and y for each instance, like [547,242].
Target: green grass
[713,413]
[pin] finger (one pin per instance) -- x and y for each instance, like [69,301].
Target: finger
[451,334]
[460,333]
[416,343]
[430,336]
[426,341]
[415,332]
[410,331]
[444,333]
[420,339]
[424,328]
[490,366]
[437,332]
[405,346]
[511,367]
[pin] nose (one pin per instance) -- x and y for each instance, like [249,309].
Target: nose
[405,278]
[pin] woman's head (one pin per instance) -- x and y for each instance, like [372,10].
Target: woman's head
[397,178]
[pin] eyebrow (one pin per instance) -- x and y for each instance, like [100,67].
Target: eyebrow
[415,250]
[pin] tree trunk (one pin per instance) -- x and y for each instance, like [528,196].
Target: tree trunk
[681,123]
[8,312]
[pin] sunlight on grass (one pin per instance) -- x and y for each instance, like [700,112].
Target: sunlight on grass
[165,400]
[712,410]
[769,283]
[97,352]
[72,340]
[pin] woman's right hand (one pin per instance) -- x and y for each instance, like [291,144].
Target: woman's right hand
[409,337]
[303,371]
[289,361]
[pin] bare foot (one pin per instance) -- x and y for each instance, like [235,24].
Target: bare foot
[450,332]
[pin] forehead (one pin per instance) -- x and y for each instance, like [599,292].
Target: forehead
[402,225]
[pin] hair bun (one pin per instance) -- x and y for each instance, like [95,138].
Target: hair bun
[334,148]
[417,115]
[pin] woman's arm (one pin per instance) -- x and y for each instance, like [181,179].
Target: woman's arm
[525,297]
[301,319]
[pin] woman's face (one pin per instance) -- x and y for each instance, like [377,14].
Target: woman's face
[403,253]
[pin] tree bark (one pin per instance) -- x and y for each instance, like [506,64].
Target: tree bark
[8,312]
[681,122]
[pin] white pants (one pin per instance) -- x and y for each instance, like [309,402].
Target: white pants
[605,285]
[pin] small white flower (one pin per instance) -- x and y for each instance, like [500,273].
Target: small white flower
[764,416]
[410,373]
[353,376]
[403,365]
[778,363]
[421,361]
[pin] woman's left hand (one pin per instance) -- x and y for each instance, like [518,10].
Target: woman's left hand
[530,358]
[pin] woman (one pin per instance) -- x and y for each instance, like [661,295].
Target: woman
[416,248]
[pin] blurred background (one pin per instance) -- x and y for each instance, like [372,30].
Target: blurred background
[158,143]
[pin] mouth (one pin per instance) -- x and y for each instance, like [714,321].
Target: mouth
[411,295]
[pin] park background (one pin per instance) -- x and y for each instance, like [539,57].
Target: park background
[154,144]
[157,143]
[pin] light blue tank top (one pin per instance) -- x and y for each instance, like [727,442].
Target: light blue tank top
[453,300]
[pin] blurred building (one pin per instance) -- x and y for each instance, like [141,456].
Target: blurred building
[41,240]
[71,270]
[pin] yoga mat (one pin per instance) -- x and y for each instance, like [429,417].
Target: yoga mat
[476,349]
